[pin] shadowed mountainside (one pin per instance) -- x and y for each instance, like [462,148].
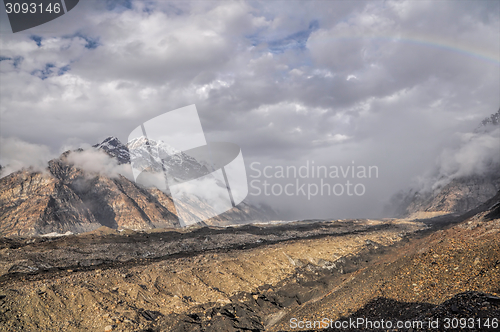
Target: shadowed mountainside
[69,198]
[462,185]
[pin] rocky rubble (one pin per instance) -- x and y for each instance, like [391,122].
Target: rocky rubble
[106,247]
[436,276]
[253,278]
[241,277]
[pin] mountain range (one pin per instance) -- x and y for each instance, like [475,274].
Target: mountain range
[85,189]
[73,194]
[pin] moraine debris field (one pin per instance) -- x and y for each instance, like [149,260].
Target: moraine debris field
[264,277]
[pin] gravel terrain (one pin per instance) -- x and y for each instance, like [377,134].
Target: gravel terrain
[256,278]
[145,280]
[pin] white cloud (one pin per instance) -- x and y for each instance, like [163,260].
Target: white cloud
[98,162]
[16,154]
[476,154]
[423,72]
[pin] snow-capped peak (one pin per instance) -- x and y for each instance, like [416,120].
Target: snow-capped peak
[113,147]
[143,142]
[153,156]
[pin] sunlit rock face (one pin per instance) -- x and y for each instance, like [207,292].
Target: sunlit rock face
[69,196]
[458,196]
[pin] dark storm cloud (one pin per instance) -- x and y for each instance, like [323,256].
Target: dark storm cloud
[381,83]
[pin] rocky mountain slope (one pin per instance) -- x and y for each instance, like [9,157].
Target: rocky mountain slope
[467,185]
[71,197]
[114,148]
[458,196]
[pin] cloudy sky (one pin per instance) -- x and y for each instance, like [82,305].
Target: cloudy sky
[388,84]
